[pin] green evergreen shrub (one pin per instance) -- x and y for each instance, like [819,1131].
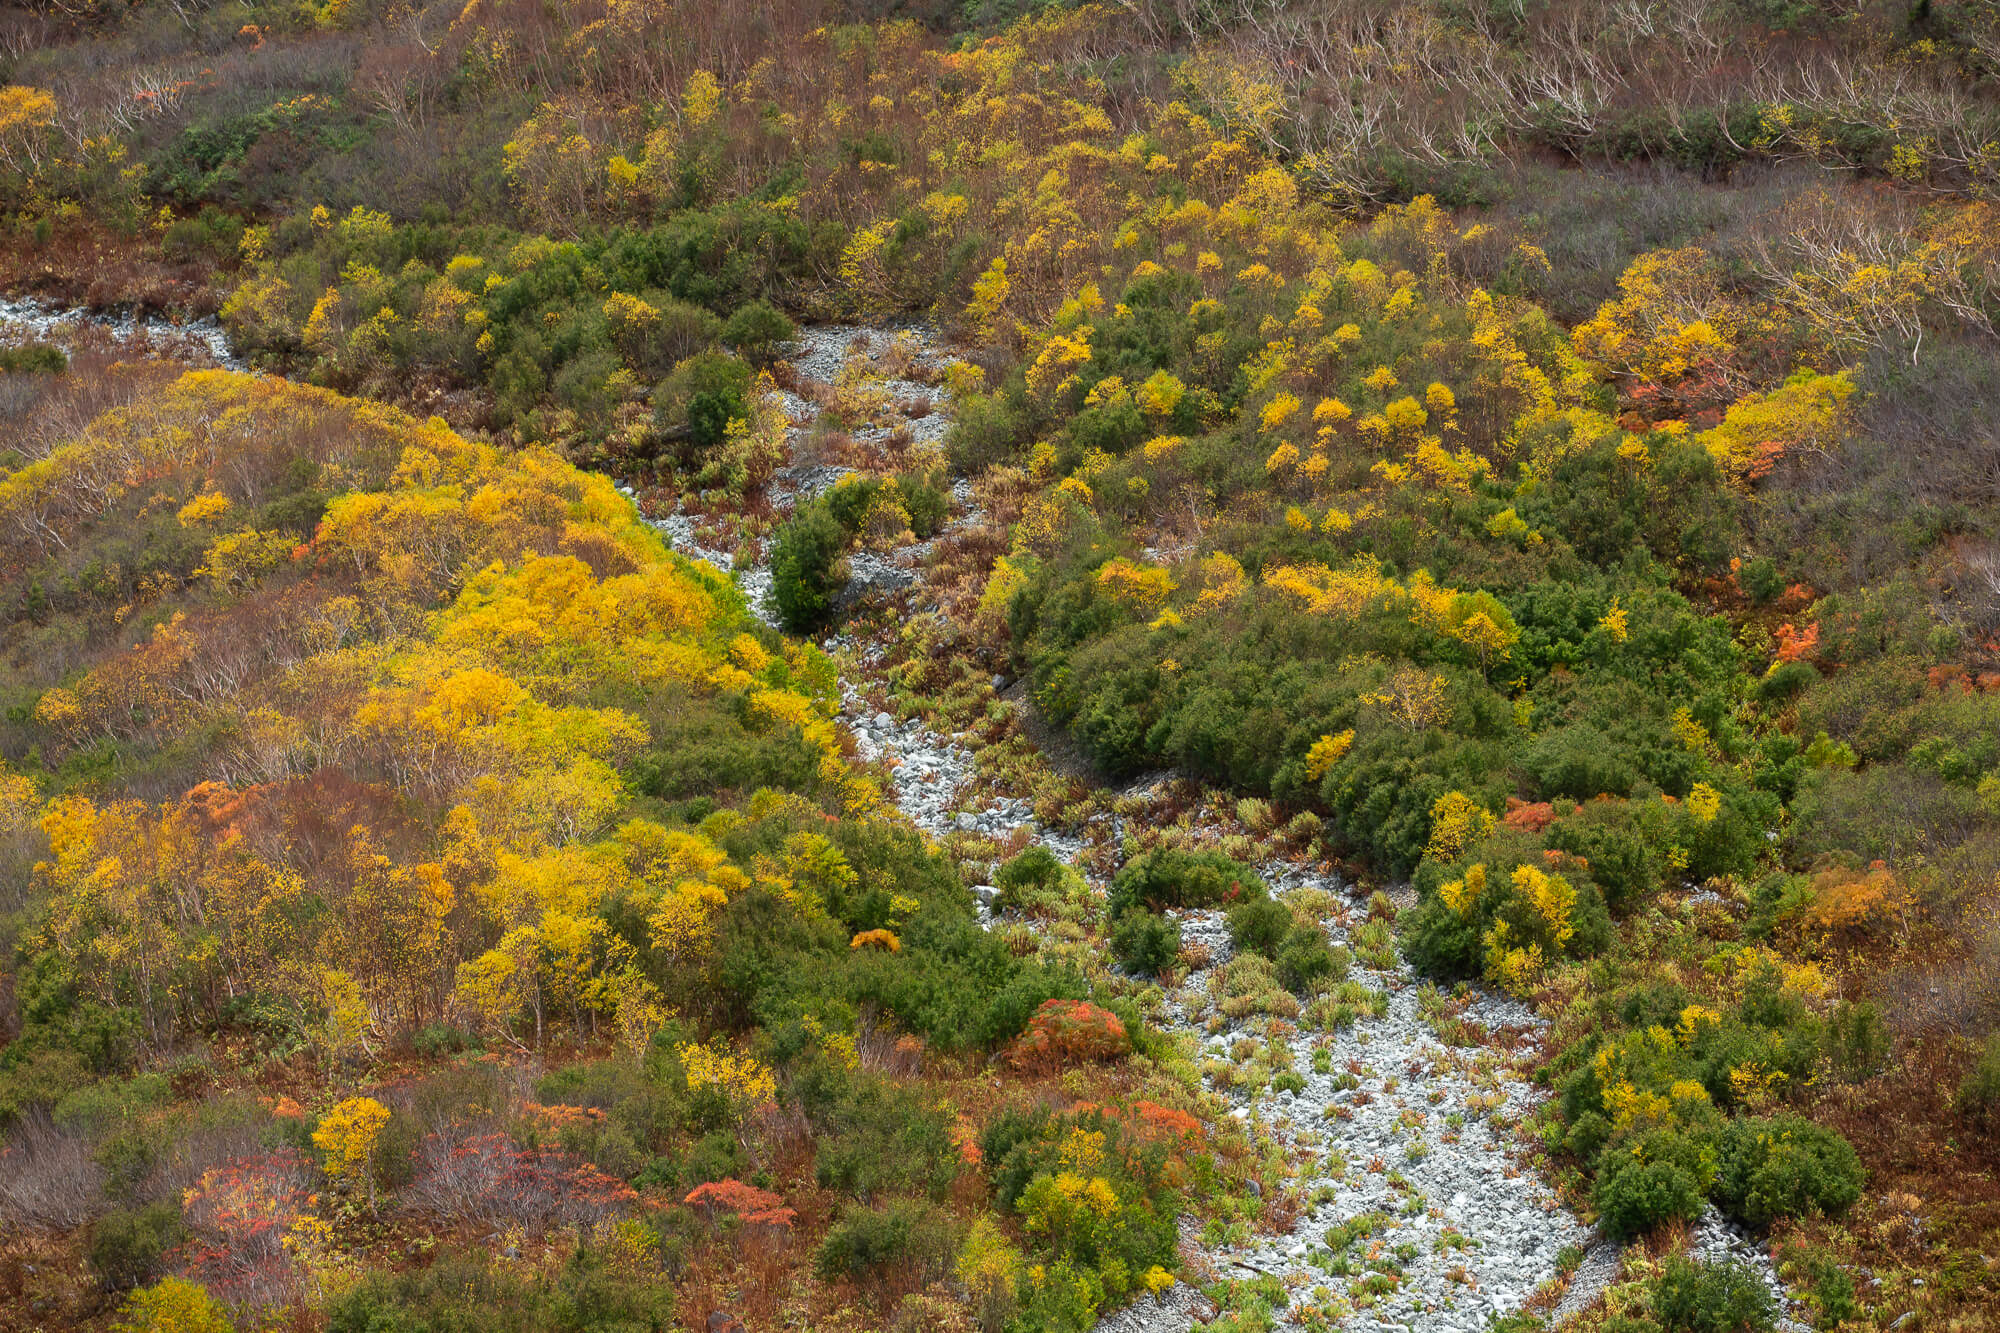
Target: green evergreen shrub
[912,1241]
[1643,1184]
[1694,1297]
[1784,1166]
[1308,963]
[1145,942]
[1167,877]
[758,330]
[1979,1092]
[1260,925]
[128,1246]
[805,568]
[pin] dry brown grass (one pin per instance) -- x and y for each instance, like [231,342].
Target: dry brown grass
[1932,1208]
[46,1284]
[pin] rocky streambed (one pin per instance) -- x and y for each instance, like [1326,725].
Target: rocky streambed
[202,341]
[1419,1214]
[1404,1142]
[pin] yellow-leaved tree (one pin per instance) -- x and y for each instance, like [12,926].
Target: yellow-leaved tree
[348,1135]
[25,116]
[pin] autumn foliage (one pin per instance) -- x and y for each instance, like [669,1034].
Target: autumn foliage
[756,1207]
[1588,546]
[1069,1032]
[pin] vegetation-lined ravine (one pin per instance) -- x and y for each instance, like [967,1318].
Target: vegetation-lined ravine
[1402,1075]
[999,665]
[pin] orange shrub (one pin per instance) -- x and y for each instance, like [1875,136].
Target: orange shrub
[1797,644]
[732,1196]
[1166,1120]
[1068,1032]
[1856,902]
[1528,816]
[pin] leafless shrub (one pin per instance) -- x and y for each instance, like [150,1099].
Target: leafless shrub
[1959,993]
[47,1177]
[886,1052]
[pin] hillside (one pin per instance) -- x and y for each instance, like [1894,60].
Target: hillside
[1005,666]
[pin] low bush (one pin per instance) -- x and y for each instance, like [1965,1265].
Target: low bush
[716,1155]
[1857,1041]
[442,1039]
[805,569]
[1784,1166]
[1068,1032]
[657,332]
[851,498]
[1172,878]
[1624,860]
[1308,963]
[758,330]
[986,429]
[702,396]
[127,1246]
[174,1304]
[909,1244]
[1248,984]
[1145,942]
[1503,924]
[210,237]
[33,359]
[1106,1219]
[1979,1091]
[877,1136]
[1694,1297]
[1830,1290]
[1761,579]
[1260,925]
[1656,1180]
[927,501]
[461,1294]
[1030,881]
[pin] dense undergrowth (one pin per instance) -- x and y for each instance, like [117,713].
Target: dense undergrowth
[1490,440]
[413,747]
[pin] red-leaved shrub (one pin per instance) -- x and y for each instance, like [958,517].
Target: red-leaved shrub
[490,1178]
[238,1215]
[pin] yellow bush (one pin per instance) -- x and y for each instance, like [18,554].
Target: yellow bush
[1326,752]
[348,1134]
[1457,821]
[739,1075]
[1140,588]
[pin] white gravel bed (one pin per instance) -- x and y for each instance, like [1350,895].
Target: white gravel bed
[1467,1185]
[818,354]
[202,340]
